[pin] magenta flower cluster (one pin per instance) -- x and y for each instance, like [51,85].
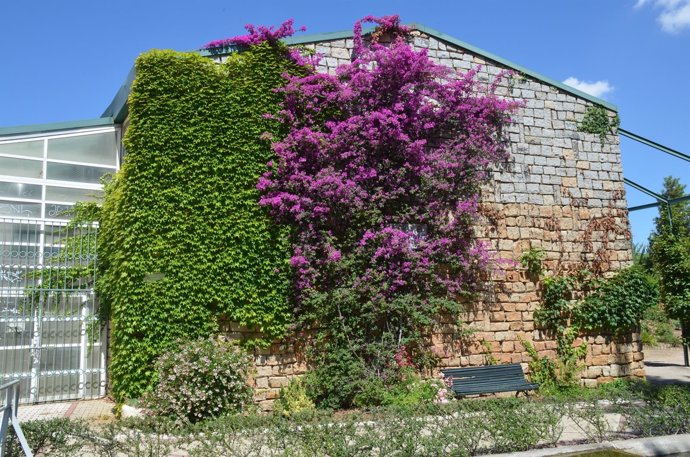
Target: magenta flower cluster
[380,173]
[384,25]
[257,35]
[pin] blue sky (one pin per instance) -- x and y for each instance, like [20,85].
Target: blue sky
[66,60]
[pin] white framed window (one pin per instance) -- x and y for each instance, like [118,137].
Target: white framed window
[42,175]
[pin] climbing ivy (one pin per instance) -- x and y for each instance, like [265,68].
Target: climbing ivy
[183,238]
[583,302]
[587,302]
[616,304]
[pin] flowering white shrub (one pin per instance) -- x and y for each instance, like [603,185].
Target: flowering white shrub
[200,379]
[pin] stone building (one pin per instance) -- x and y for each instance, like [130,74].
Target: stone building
[562,192]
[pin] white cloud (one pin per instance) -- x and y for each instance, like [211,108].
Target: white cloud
[674,16]
[596,88]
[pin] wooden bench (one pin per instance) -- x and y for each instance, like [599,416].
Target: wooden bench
[489,379]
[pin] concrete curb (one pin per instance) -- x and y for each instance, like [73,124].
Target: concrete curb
[655,446]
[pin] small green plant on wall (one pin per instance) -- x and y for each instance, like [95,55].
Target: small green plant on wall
[598,122]
[532,261]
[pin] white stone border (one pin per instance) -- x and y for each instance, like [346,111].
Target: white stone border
[654,446]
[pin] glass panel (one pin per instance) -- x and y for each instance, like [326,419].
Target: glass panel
[16,363]
[17,276]
[25,391]
[78,173]
[54,235]
[19,233]
[94,384]
[61,332]
[21,167]
[52,255]
[59,386]
[24,148]
[55,211]
[15,360]
[19,190]
[99,148]
[68,194]
[19,209]
[63,305]
[58,359]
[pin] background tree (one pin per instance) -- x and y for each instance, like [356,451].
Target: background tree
[680,212]
[670,253]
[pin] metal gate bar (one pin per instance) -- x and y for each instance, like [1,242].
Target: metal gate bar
[51,339]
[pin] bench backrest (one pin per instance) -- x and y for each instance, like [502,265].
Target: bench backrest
[488,378]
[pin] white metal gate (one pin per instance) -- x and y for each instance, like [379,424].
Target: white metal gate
[51,338]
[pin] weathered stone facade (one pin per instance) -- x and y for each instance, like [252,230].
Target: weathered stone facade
[562,192]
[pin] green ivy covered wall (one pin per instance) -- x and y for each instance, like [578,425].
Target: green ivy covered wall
[183,240]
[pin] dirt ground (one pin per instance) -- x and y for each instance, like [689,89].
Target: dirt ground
[665,366]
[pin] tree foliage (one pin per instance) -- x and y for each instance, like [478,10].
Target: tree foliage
[679,223]
[670,252]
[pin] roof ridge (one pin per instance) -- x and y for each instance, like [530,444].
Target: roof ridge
[118,108]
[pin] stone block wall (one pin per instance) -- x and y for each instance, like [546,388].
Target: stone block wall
[561,192]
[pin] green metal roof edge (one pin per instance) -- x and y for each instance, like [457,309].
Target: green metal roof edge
[68,125]
[328,36]
[508,63]
[430,31]
[118,107]
[304,39]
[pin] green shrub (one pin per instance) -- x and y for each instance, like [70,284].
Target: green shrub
[561,373]
[464,428]
[293,399]
[200,379]
[55,437]
[647,337]
[408,391]
[665,411]
[371,392]
[412,391]
[337,379]
[588,416]
[617,304]
[516,425]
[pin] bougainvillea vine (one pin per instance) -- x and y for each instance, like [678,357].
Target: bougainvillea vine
[379,175]
[384,25]
[257,34]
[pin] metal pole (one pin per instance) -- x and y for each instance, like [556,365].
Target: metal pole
[685,334]
[670,218]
